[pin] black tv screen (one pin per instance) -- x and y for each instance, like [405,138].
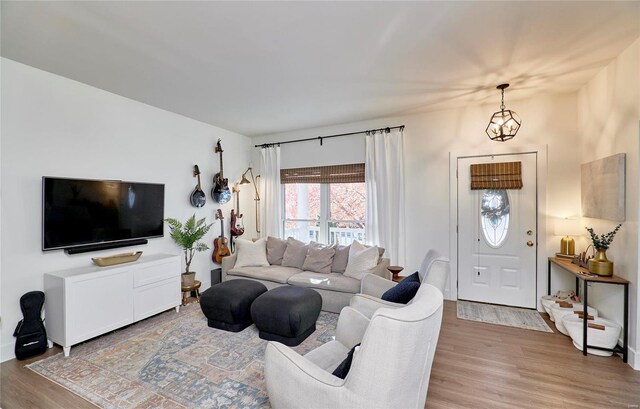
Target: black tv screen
[78,212]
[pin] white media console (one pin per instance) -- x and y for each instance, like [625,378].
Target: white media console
[85,302]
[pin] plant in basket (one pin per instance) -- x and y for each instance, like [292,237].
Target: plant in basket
[188,236]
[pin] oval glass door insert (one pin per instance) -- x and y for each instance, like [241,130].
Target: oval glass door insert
[494,214]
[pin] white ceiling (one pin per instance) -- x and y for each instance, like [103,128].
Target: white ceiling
[266,67]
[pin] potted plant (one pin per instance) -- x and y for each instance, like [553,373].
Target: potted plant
[187,236]
[600,265]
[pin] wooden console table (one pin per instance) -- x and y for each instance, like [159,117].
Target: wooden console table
[583,274]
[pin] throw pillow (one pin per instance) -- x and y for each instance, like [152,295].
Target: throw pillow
[340,259]
[295,254]
[415,277]
[361,259]
[380,250]
[319,258]
[275,250]
[402,293]
[343,369]
[251,254]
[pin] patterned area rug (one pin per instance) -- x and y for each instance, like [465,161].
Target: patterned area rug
[500,315]
[172,361]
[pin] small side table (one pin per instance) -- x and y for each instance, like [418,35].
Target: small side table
[187,290]
[395,270]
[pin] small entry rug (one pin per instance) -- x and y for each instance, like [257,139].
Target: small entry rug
[501,315]
[172,360]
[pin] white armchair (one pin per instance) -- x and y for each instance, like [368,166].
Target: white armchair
[391,369]
[434,270]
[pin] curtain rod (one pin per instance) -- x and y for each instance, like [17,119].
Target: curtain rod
[321,138]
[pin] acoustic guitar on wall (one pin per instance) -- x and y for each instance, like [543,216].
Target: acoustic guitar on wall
[197,198]
[220,244]
[220,190]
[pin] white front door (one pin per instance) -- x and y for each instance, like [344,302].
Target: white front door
[497,233]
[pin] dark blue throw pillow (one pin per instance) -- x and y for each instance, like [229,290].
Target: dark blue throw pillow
[403,292]
[343,369]
[413,277]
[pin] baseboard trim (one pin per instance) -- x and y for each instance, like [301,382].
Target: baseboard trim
[633,359]
[7,352]
[447,295]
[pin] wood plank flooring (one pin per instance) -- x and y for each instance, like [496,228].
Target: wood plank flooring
[476,366]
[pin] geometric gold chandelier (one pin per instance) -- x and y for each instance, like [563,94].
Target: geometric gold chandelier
[503,124]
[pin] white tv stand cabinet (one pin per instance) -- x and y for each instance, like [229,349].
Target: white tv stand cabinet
[85,302]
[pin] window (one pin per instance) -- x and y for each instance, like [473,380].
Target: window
[494,212]
[332,211]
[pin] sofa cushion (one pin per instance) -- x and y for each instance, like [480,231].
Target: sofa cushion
[332,281]
[251,254]
[361,259]
[340,259]
[295,254]
[277,274]
[275,250]
[319,258]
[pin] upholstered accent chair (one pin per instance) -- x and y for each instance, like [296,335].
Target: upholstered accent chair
[434,270]
[390,369]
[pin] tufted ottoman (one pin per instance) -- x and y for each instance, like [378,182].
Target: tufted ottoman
[287,314]
[227,305]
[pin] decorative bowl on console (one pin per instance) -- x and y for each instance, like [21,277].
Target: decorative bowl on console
[116,259]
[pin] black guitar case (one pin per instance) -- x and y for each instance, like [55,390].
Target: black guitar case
[31,336]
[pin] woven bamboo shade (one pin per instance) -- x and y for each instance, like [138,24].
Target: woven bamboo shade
[352,173]
[505,175]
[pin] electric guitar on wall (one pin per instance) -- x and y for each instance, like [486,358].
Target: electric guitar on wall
[237,225]
[220,190]
[220,244]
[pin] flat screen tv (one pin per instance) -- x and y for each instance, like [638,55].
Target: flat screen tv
[80,212]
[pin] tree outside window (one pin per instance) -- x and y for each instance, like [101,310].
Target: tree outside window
[325,212]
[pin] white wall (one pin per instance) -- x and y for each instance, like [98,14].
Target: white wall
[58,127]
[609,119]
[602,119]
[430,137]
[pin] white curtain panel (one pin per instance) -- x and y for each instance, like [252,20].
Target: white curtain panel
[270,193]
[384,180]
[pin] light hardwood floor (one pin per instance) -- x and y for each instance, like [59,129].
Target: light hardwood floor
[476,366]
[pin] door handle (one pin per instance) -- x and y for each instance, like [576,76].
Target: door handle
[530,243]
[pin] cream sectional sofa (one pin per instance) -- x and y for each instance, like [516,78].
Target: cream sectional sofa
[335,288]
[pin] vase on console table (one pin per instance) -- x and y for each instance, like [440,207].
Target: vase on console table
[600,265]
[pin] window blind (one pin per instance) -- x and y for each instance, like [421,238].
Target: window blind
[352,173]
[505,175]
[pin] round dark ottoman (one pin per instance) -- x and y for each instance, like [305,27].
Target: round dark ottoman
[227,305]
[287,314]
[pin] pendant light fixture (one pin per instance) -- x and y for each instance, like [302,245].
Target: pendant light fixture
[505,123]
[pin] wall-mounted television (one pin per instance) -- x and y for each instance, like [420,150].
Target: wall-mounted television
[79,213]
